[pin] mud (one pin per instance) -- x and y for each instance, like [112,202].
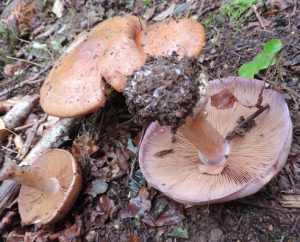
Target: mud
[165,90]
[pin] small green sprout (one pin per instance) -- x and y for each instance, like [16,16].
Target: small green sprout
[261,61]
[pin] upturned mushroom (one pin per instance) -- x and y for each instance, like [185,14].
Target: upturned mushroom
[49,187]
[205,163]
[75,86]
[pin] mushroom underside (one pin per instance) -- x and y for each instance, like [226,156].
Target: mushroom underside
[37,207]
[253,159]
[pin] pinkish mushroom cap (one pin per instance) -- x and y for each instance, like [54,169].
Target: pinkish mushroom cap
[172,167]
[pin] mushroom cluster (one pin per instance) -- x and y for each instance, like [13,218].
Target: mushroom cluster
[109,53]
[187,154]
[49,187]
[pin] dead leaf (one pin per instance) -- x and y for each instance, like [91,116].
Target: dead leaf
[58,8]
[97,187]
[223,100]
[83,147]
[7,220]
[19,143]
[139,205]
[165,14]
[133,238]
[21,14]
[172,214]
[105,206]
[72,233]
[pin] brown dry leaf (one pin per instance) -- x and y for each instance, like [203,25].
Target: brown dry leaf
[19,143]
[133,238]
[119,158]
[72,233]
[223,100]
[38,236]
[138,205]
[83,146]
[7,220]
[21,14]
[172,214]
[104,206]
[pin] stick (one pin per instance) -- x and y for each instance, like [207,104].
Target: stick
[245,123]
[53,138]
[17,115]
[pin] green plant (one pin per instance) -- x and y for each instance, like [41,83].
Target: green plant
[263,60]
[235,8]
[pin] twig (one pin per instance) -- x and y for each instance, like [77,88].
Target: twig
[201,8]
[23,152]
[137,152]
[18,114]
[23,60]
[245,123]
[33,80]
[254,9]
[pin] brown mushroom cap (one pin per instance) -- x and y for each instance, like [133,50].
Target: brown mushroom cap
[75,85]
[37,207]
[185,36]
[253,159]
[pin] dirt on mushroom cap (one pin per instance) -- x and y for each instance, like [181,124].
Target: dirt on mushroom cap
[165,89]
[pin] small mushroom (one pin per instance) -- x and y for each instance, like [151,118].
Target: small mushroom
[49,187]
[75,86]
[200,166]
[185,36]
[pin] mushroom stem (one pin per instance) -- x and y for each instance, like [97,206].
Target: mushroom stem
[212,146]
[24,176]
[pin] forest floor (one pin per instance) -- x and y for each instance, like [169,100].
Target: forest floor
[102,211]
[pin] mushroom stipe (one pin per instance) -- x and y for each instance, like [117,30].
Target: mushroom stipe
[250,163]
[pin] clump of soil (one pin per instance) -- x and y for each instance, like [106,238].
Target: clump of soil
[164,89]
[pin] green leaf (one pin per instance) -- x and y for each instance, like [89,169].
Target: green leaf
[262,60]
[273,46]
[179,233]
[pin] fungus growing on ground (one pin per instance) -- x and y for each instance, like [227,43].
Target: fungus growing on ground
[49,187]
[201,164]
[110,53]
[75,86]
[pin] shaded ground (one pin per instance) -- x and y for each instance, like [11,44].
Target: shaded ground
[112,130]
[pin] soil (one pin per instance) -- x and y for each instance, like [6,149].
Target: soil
[106,209]
[165,89]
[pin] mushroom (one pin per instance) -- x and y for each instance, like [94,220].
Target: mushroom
[75,86]
[185,36]
[49,187]
[201,166]
[111,52]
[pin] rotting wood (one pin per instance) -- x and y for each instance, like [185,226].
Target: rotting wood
[16,116]
[53,138]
